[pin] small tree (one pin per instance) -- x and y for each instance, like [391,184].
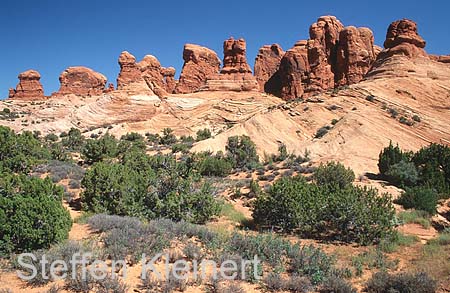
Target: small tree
[203,134]
[168,137]
[390,156]
[334,174]
[241,150]
[420,198]
[74,140]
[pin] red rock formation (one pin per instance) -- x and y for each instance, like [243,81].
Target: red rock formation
[169,78]
[110,88]
[200,64]
[81,81]
[355,55]
[29,86]
[234,57]
[293,72]
[322,48]
[440,58]
[267,63]
[130,76]
[152,73]
[402,38]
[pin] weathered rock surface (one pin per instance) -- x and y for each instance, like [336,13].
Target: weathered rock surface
[200,64]
[169,78]
[267,63]
[29,86]
[402,38]
[293,72]
[236,74]
[355,55]
[130,77]
[234,57]
[322,49]
[81,81]
[440,58]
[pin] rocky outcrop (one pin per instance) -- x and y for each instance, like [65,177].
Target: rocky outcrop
[29,86]
[293,72]
[146,76]
[236,74]
[402,38]
[267,63]
[234,57]
[130,77]
[440,58]
[81,81]
[355,55]
[200,64]
[333,56]
[169,78]
[322,49]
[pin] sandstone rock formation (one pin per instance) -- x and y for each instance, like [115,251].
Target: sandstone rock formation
[200,64]
[267,63]
[130,76]
[322,48]
[293,72]
[441,58]
[234,57]
[402,38]
[81,81]
[236,74]
[29,86]
[355,55]
[146,76]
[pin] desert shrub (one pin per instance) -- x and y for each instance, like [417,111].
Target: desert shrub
[203,134]
[348,214]
[74,184]
[58,152]
[404,282]
[282,153]
[390,156]
[337,285]
[111,285]
[370,98]
[393,112]
[31,214]
[403,174]
[241,151]
[310,261]
[59,170]
[217,165]
[181,147]
[74,140]
[193,252]
[416,118]
[168,138]
[96,150]
[404,120]
[433,164]
[420,198]
[20,152]
[157,187]
[321,132]
[334,174]
[51,137]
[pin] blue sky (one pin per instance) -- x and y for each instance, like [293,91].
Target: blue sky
[50,36]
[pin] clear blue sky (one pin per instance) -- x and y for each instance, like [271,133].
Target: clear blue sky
[50,36]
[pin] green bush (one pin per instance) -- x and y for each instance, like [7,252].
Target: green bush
[74,140]
[333,174]
[168,138]
[214,165]
[404,282]
[321,132]
[20,152]
[403,174]
[241,150]
[348,214]
[148,187]
[31,214]
[97,150]
[390,156]
[420,198]
[203,134]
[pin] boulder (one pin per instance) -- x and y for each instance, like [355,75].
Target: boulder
[81,81]
[267,63]
[200,64]
[29,86]
[355,55]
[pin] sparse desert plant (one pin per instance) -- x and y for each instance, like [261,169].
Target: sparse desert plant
[321,132]
[337,285]
[203,134]
[334,174]
[241,150]
[403,282]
